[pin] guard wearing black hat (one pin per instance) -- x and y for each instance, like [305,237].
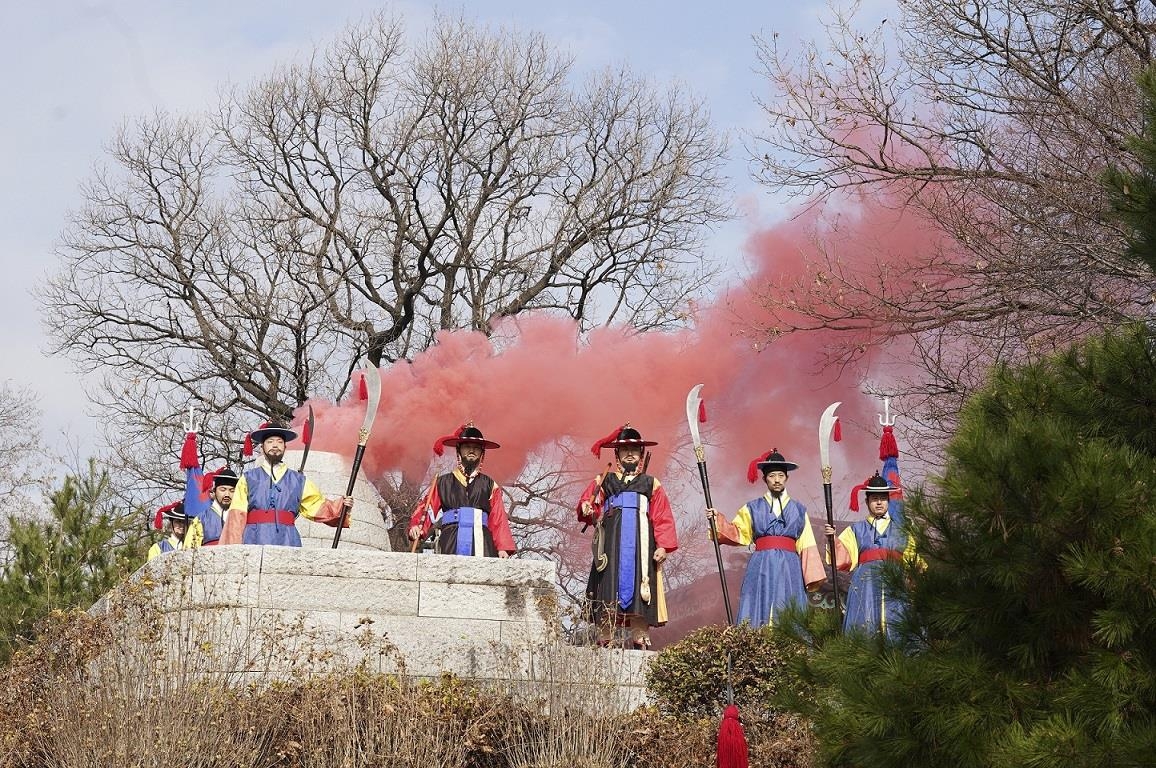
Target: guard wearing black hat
[865,547]
[270,496]
[464,505]
[175,523]
[634,534]
[215,494]
[786,563]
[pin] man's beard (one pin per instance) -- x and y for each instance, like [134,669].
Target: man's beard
[273,460]
[629,467]
[469,466]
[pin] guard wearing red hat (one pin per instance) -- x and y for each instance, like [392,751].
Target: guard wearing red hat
[464,505]
[634,534]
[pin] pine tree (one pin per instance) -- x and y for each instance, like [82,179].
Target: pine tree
[69,561]
[1031,639]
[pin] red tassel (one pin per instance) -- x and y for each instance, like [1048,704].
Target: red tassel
[702,411]
[440,443]
[362,389]
[159,519]
[207,480]
[888,449]
[189,452]
[753,467]
[596,449]
[247,451]
[732,741]
[838,435]
[855,496]
[307,433]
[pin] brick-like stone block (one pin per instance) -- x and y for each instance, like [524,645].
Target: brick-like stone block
[365,564]
[455,569]
[336,593]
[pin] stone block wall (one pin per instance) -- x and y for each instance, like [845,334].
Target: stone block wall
[261,611]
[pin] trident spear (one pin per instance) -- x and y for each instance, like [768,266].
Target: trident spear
[693,406]
[373,392]
[826,425]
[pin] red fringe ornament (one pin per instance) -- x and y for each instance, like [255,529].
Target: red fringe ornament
[888,449]
[362,388]
[439,446]
[855,496]
[189,452]
[702,411]
[596,449]
[732,741]
[307,433]
[159,518]
[838,432]
[753,467]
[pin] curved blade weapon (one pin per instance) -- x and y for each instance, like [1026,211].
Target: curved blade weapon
[826,426]
[693,406]
[373,397]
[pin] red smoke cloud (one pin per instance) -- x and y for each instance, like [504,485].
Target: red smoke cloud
[539,382]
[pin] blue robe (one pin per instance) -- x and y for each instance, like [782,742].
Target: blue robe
[870,605]
[774,577]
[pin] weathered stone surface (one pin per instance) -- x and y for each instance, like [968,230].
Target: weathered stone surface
[280,612]
[452,569]
[335,593]
[368,530]
[365,564]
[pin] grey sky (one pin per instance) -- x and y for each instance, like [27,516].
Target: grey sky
[76,69]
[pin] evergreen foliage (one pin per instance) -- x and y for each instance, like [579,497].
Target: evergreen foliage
[1031,639]
[67,561]
[1133,192]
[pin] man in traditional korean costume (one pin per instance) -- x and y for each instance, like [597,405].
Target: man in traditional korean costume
[465,506]
[864,548]
[785,563]
[270,496]
[634,535]
[172,518]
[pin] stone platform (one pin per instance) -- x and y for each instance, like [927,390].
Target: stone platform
[275,611]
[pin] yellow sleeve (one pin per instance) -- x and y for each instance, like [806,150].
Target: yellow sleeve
[742,522]
[848,540]
[195,536]
[241,495]
[311,500]
[155,551]
[806,538]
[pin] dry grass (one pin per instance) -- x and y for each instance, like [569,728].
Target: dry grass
[146,684]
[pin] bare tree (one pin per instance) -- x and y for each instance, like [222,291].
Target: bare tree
[22,454]
[358,203]
[993,121]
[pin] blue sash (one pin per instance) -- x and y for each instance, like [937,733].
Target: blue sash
[463,518]
[627,503]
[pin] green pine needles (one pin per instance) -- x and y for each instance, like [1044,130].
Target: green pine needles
[1031,639]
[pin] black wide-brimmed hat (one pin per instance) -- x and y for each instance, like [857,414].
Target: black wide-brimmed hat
[262,434]
[467,433]
[771,461]
[225,476]
[625,436]
[174,511]
[876,484]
